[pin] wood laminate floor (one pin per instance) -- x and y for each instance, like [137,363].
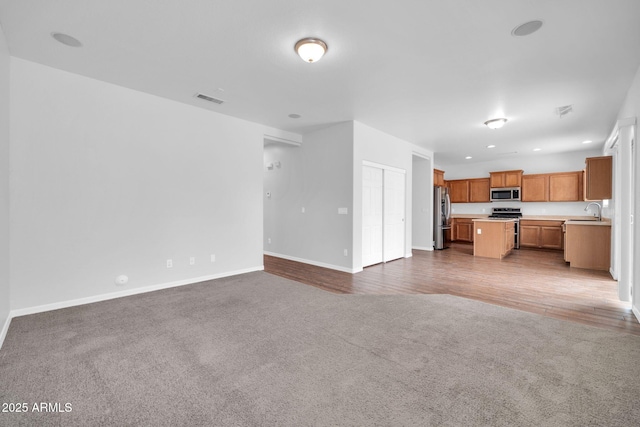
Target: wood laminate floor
[531,280]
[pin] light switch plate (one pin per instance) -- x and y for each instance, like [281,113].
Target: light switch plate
[343,211]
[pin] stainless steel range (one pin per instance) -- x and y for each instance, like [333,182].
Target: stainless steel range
[509,213]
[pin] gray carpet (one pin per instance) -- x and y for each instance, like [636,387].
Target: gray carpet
[256,350]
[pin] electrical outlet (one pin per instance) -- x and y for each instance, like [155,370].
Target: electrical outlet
[192,261]
[213,257]
[302,210]
[269,240]
[479,230]
[169,263]
[346,252]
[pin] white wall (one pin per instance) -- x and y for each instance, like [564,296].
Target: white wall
[422,204]
[564,162]
[109,181]
[630,109]
[316,176]
[378,147]
[4,186]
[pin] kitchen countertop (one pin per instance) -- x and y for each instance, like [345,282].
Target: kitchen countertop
[591,222]
[494,219]
[573,219]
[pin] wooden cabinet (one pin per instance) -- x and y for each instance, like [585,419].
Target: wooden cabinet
[565,187]
[493,239]
[438,178]
[459,190]
[469,190]
[541,234]
[588,246]
[506,179]
[479,190]
[462,230]
[535,188]
[552,187]
[598,178]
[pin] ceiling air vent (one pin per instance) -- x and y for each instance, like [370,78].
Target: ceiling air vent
[209,98]
[564,110]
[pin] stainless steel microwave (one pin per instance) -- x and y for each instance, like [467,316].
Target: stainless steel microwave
[505,194]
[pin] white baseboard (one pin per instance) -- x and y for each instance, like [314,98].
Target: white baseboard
[422,248]
[316,263]
[409,255]
[636,312]
[5,329]
[126,293]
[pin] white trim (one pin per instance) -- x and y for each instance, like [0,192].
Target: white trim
[422,248]
[129,292]
[5,329]
[409,255]
[636,312]
[311,262]
[282,140]
[421,155]
[384,167]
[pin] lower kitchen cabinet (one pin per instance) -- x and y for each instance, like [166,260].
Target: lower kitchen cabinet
[462,230]
[541,234]
[493,238]
[588,245]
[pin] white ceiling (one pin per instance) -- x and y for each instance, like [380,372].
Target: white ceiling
[427,72]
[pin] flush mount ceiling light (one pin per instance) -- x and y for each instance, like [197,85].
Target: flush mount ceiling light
[537,149]
[587,142]
[294,116]
[491,146]
[311,49]
[66,39]
[468,158]
[495,123]
[526,28]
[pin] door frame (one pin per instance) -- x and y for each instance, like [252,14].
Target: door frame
[397,170]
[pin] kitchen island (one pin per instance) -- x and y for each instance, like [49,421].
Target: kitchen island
[493,238]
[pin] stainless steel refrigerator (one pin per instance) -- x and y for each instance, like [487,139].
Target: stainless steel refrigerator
[441,218]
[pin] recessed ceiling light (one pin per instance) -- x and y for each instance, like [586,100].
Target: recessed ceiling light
[537,149]
[495,123]
[587,142]
[295,116]
[311,49]
[468,157]
[491,146]
[526,28]
[66,39]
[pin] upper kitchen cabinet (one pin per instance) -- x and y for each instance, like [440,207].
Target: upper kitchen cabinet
[597,178]
[565,187]
[479,190]
[438,178]
[469,190]
[552,187]
[459,190]
[506,179]
[535,188]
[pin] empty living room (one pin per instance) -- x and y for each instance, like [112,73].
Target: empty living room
[319,213]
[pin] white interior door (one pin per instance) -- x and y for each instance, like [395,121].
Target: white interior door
[371,215]
[393,215]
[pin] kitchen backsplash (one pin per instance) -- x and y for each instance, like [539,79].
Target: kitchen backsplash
[530,208]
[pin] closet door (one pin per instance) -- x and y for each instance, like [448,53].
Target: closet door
[371,215]
[393,215]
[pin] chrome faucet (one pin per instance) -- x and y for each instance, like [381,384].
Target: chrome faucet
[599,209]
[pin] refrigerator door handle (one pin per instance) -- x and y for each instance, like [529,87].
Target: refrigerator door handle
[447,208]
